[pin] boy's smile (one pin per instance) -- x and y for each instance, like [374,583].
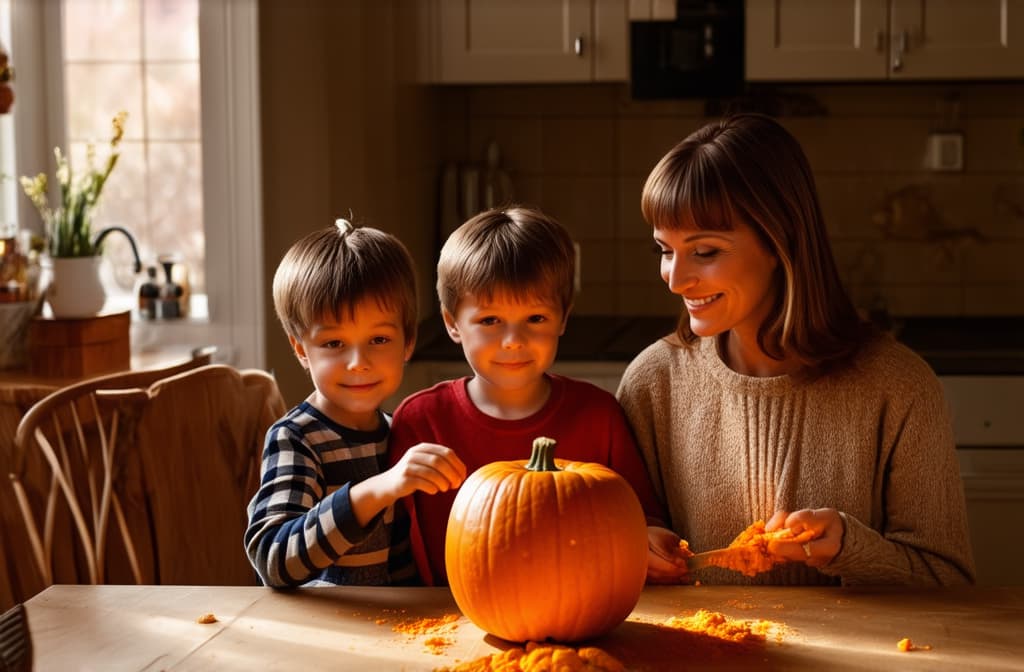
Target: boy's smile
[510,344]
[355,364]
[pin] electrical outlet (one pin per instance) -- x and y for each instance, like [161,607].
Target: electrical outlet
[945,152]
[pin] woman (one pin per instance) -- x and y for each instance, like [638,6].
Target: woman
[774,400]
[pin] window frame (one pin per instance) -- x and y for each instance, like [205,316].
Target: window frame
[231,160]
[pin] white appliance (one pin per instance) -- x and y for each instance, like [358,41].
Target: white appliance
[988,424]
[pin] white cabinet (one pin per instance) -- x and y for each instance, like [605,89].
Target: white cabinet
[994,491]
[524,41]
[826,40]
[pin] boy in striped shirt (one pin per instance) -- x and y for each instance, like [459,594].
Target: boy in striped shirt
[325,511]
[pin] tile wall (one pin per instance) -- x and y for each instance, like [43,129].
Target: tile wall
[912,241]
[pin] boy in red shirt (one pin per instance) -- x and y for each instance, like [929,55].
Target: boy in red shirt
[505,282]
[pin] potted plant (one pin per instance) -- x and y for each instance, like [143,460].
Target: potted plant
[75,289]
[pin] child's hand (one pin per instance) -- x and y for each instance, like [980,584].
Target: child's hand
[825,526]
[428,467]
[666,559]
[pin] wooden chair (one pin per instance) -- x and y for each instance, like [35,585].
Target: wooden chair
[107,459]
[27,560]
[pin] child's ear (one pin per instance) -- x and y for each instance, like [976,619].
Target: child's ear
[410,346]
[451,326]
[299,350]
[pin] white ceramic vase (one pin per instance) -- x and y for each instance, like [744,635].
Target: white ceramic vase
[75,289]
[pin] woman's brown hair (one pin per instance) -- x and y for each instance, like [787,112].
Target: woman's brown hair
[748,168]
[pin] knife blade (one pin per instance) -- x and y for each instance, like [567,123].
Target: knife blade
[708,558]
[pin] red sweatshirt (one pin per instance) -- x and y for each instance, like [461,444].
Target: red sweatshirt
[587,422]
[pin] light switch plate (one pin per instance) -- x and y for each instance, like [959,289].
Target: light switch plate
[945,152]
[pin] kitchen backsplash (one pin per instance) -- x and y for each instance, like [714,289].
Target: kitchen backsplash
[908,240]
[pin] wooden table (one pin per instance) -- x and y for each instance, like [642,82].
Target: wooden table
[154,627]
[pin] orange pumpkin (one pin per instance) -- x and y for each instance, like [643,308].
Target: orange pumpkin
[546,549]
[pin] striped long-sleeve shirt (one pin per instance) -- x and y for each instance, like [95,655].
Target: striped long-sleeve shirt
[302,530]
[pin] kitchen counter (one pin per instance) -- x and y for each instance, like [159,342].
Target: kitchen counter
[354,628]
[952,346]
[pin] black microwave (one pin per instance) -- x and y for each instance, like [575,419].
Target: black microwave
[699,54]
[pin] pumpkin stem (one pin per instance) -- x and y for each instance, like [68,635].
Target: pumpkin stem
[543,456]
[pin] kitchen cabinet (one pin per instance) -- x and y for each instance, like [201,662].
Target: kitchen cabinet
[793,40]
[524,41]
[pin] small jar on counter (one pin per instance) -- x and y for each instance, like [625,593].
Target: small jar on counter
[149,295]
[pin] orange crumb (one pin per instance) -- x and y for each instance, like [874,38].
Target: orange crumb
[542,657]
[906,645]
[437,645]
[720,626]
[427,625]
[206,619]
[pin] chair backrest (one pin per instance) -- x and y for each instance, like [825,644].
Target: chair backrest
[77,430]
[200,440]
[87,464]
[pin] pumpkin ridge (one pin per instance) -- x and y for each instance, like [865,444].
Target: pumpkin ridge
[501,529]
[523,599]
[564,604]
[579,614]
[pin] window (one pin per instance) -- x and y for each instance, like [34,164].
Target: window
[188,180]
[141,56]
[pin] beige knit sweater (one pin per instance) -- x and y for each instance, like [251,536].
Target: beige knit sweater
[874,441]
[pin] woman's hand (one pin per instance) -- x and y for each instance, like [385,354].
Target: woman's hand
[825,526]
[666,560]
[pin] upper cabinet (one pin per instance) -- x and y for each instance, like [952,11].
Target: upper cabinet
[513,41]
[791,40]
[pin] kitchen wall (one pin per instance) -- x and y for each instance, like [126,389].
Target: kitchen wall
[345,134]
[908,240]
[346,131]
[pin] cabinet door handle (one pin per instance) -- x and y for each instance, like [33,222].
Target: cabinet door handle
[879,40]
[899,48]
[577,45]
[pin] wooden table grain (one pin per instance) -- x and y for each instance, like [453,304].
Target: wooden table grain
[354,628]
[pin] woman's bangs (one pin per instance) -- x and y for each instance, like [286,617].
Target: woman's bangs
[688,199]
[703,199]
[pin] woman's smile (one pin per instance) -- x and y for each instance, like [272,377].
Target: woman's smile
[699,303]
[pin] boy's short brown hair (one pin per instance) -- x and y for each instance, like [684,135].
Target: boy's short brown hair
[338,267]
[517,250]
